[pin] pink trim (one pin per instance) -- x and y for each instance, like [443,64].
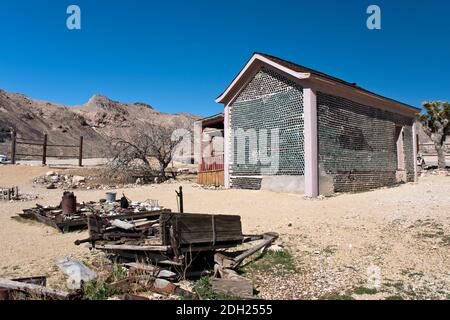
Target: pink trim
[226,147]
[298,75]
[314,81]
[311,152]
[416,169]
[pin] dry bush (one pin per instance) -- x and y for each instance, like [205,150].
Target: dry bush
[147,153]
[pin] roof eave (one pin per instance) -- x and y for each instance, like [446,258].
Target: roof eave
[228,95]
[257,56]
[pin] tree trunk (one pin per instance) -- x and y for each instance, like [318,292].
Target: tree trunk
[441,157]
[162,170]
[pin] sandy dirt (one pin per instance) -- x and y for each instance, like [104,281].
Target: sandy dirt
[396,239]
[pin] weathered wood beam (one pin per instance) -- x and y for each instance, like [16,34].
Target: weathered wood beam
[131,247]
[34,289]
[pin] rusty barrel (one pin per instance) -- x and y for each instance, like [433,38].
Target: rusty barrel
[69,203]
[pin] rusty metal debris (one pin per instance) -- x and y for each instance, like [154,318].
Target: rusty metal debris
[70,215]
[169,238]
[9,194]
[184,243]
[157,246]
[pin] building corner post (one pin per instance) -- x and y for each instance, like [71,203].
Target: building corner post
[311,143]
[415,151]
[226,147]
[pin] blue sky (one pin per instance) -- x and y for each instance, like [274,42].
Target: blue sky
[180,55]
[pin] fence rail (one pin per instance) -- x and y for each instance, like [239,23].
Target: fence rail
[44,145]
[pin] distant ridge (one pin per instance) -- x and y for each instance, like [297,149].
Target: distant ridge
[96,120]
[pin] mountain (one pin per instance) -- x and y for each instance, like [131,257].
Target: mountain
[97,120]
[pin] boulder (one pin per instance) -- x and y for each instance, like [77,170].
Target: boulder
[78,179]
[51,186]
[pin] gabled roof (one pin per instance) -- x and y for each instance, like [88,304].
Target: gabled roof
[217,118]
[297,71]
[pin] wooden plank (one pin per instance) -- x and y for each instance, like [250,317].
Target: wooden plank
[206,224]
[201,237]
[215,178]
[33,289]
[122,224]
[141,268]
[268,239]
[153,256]
[131,247]
[140,215]
[191,228]
[47,221]
[205,247]
[39,280]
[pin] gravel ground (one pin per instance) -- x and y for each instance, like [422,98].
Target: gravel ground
[396,240]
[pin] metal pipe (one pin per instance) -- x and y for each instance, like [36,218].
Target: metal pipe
[180,199]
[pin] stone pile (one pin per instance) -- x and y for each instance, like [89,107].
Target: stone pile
[54,180]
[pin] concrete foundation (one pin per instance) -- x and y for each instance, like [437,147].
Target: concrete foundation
[288,184]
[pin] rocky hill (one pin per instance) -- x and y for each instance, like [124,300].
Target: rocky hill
[97,120]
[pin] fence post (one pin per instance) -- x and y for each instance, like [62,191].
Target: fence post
[44,150]
[180,199]
[13,146]
[80,156]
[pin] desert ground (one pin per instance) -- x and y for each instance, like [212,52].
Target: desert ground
[391,243]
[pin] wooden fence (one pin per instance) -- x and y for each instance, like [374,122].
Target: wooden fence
[210,171]
[44,146]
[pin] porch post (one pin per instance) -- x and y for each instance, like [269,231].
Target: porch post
[311,141]
[226,146]
[415,151]
[198,142]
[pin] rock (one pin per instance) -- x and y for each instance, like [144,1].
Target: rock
[76,271]
[139,181]
[78,179]
[51,186]
[50,173]
[275,248]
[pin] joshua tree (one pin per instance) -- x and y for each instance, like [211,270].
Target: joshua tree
[436,124]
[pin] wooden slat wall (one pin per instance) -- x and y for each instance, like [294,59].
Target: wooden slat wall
[215,178]
[201,228]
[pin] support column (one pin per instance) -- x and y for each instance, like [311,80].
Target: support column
[226,147]
[198,142]
[415,151]
[311,143]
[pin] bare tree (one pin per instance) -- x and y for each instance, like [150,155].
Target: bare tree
[148,151]
[435,123]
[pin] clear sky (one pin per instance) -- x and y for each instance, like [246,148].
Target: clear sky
[180,55]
